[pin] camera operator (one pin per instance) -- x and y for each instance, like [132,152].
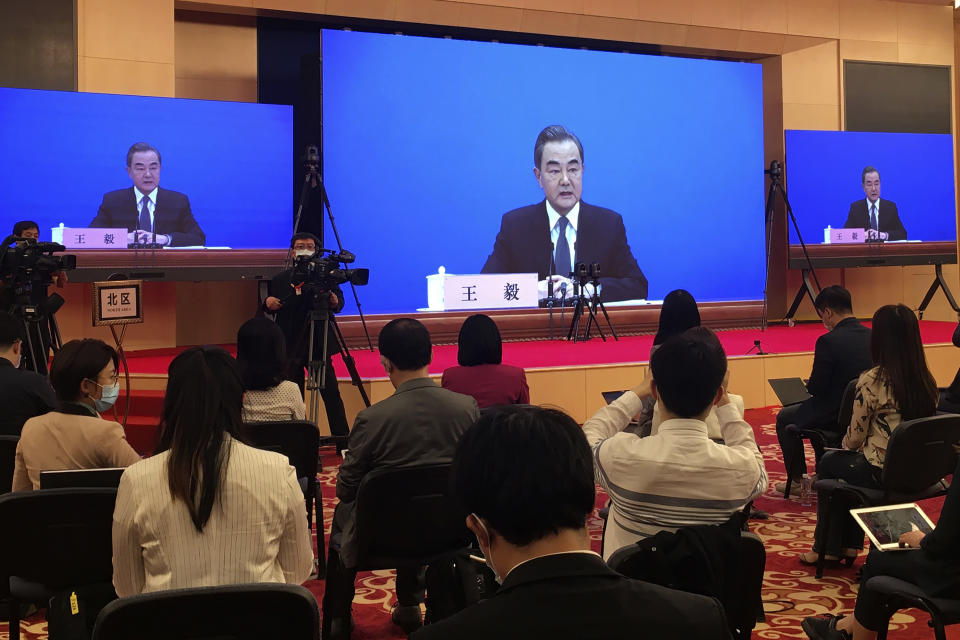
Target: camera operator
[30,230]
[292,313]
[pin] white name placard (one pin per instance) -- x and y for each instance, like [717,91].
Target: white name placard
[84,238]
[446,291]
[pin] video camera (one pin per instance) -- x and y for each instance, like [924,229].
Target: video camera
[322,271]
[28,262]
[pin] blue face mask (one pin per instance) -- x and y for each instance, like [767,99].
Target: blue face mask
[108,396]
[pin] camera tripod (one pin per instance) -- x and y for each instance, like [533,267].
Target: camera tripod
[317,361]
[806,288]
[591,303]
[41,334]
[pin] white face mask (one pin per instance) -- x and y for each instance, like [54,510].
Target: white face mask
[303,253]
[486,552]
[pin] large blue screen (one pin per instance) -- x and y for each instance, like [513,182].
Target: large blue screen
[61,151]
[824,176]
[428,142]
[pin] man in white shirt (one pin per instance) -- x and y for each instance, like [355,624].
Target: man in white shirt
[678,477]
[151,215]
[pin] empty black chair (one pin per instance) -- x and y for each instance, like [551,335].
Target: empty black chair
[682,561]
[920,454]
[900,594]
[815,436]
[407,517]
[68,478]
[299,440]
[232,612]
[8,456]
[53,540]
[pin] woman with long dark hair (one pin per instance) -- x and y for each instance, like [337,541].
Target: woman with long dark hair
[481,373]
[208,509]
[678,314]
[899,387]
[74,436]
[262,357]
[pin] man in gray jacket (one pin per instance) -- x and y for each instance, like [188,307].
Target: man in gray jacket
[420,424]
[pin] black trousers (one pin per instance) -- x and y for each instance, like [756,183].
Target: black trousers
[330,393]
[844,533]
[791,447]
[340,588]
[916,567]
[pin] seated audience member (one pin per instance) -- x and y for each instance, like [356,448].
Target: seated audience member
[950,397]
[262,358]
[934,566]
[678,314]
[419,424]
[207,510]
[525,475]
[481,374]
[899,387]
[701,481]
[74,436]
[23,394]
[840,355]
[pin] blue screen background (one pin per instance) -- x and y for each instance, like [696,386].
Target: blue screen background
[428,142]
[61,151]
[823,176]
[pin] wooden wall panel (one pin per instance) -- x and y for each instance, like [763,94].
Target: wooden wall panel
[216,57]
[126,46]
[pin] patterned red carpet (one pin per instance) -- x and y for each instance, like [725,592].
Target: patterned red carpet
[790,591]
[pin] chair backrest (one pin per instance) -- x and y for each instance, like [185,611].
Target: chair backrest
[406,516]
[231,612]
[8,456]
[299,440]
[57,537]
[753,562]
[846,405]
[715,560]
[920,453]
[64,479]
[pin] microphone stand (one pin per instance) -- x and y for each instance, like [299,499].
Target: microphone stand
[563,301]
[756,345]
[550,288]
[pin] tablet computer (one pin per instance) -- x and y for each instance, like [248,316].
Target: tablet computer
[884,525]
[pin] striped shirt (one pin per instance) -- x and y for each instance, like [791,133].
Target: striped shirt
[257,531]
[674,479]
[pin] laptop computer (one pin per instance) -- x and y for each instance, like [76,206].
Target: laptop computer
[610,396]
[789,390]
[71,478]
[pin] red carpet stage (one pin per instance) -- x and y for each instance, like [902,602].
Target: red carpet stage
[790,590]
[536,354]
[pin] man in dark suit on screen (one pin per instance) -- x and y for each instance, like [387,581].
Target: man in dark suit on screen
[525,476]
[150,214]
[879,217]
[576,231]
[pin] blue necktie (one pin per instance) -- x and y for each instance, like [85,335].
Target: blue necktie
[873,216]
[562,258]
[144,223]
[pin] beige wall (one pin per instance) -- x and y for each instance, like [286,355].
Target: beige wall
[145,47]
